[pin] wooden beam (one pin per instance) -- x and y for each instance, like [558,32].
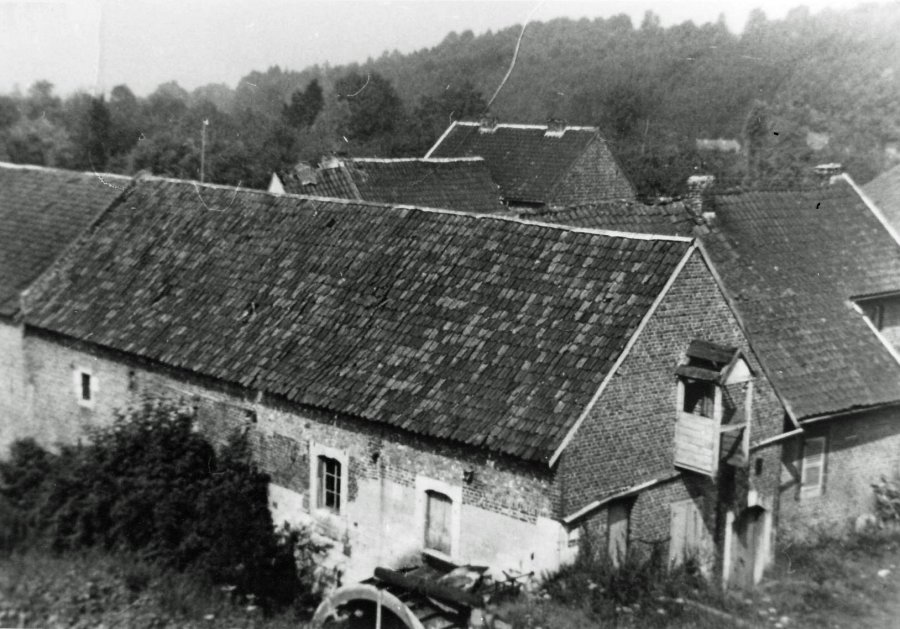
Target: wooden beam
[464,601]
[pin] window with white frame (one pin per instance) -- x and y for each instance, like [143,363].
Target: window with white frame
[85,385]
[327,480]
[812,474]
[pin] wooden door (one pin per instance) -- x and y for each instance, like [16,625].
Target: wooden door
[747,547]
[618,532]
[689,536]
[437,521]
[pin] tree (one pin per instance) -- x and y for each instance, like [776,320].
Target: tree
[433,114]
[305,105]
[651,22]
[124,113]
[41,102]
[39,141]
[9,112]
[165,107]
[375,107]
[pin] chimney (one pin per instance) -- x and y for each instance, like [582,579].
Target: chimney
[826,173]
[329,161]
[305,174]
[487,124]
[698,187]
[556,127]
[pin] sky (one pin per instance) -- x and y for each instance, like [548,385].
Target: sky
[93,45]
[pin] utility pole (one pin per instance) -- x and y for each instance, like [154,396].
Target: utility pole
[203,147]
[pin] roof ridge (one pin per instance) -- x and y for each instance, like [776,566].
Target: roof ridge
[53,169]
[554,226]
[423,160]
[517,125]
[433,210]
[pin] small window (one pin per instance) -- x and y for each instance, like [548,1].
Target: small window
[699,397]
[329,484]
[813,473]
[85,387]
[438,510]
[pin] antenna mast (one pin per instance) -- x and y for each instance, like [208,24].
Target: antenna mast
[203,147]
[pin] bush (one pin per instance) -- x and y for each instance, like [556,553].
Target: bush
[150,484]
[887,501]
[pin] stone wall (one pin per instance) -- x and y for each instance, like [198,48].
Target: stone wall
[504,518]
[860,448]
[13,391]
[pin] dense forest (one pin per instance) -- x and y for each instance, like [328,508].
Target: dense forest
[787,94]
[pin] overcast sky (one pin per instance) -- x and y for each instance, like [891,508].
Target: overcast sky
[97,44]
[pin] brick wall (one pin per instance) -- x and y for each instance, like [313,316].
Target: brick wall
[859,450]
[505,518]
[628,438]
[13,392]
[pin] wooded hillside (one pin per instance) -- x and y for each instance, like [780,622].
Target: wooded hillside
[808,89]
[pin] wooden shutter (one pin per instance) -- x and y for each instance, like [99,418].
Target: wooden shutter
[813,472]
[437,521]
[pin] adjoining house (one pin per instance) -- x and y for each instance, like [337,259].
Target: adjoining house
[540,166]
[42,210]
[480,387]
[815,277]
[884,192]
[462,184]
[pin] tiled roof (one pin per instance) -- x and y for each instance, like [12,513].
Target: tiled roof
[792,261]
[488,331]
[41,211]
[534,165]
[670,218]
[884,191]
[456,184]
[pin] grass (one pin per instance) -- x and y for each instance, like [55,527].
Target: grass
[831,583]
[836,582]
[93,589]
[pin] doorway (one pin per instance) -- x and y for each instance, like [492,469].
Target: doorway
[748,548]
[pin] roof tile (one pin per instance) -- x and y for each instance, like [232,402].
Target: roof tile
[445,324]
[41,211]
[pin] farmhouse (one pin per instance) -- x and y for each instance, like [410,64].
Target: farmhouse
[42,210]
[462,184]
[540,166]
[815,277]
[484,388]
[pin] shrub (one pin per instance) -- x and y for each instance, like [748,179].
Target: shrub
[887,501]
[150,484]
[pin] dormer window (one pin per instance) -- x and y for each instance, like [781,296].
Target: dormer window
[715,388]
